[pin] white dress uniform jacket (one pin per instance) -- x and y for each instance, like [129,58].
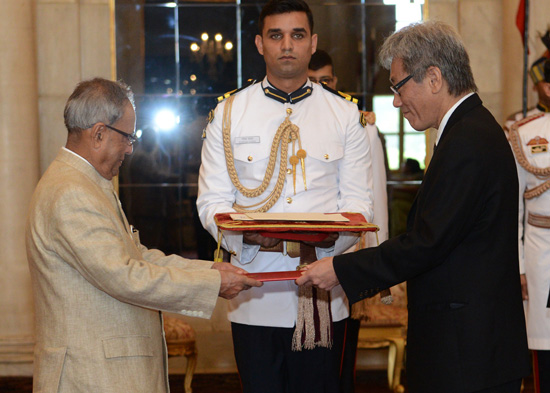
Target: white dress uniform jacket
[380,192]
[534,241]
[338,177]
[97,290]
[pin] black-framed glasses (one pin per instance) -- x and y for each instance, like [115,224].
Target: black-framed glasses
[395,88]
[131,137]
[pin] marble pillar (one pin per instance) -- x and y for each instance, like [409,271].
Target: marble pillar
[19,174]
[47,46]
[75,41]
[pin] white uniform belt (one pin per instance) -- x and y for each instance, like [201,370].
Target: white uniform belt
[538,221]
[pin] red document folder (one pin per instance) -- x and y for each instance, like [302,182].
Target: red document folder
[276,276]
[295,231]
[292,229]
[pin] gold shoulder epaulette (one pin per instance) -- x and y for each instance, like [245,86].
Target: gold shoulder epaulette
[514,116]
[339,93]
[526,120]
[250,82]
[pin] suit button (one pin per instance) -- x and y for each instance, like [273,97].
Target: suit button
[326,156]
[250,158]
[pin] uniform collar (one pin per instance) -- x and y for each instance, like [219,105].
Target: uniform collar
[543,108]
[292,98]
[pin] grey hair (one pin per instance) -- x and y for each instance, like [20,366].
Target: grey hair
[96,100]
[426,44]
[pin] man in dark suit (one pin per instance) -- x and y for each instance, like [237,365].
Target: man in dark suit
[459,254]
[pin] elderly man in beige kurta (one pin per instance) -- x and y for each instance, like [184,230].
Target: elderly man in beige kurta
[97,290]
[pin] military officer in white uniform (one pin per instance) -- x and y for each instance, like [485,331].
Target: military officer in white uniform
[530,138]
[538,76]
[331,172]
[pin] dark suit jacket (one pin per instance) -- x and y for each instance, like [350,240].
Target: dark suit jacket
[466,326]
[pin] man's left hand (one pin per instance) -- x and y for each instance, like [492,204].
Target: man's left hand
[319,274]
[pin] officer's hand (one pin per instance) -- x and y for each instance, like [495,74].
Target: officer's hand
[319,274]
[256,239]
[233,283]
[524,293]
[327,242]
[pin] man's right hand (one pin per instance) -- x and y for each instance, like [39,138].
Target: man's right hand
[524,292]
[234,282]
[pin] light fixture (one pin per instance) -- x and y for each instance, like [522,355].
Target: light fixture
[166,120]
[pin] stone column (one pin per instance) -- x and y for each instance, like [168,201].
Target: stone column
[74,43]
[47,47]
[19,174]
[479,23]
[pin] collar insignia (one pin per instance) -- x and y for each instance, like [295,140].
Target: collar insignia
[292,98]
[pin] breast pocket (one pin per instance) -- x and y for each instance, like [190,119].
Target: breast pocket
[251,161]
[126,346]
[323,163]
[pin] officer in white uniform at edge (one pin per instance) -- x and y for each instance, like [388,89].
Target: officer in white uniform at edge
[328,169]
[529,139]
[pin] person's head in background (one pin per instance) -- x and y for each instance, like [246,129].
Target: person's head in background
[321,70]
[540,74]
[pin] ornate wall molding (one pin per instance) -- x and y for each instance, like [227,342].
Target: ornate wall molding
[16,349]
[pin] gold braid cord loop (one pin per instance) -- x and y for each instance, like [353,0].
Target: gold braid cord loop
[286,132]
[541,173]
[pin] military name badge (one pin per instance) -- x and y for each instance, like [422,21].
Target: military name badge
[538,145]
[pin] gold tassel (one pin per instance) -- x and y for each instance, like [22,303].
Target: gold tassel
[309,299]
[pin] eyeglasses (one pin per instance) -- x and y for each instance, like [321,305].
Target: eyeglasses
[326,80]
[131,137]
[395,88]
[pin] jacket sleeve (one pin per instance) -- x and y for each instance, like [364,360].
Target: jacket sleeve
[87,233]
[456,187]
